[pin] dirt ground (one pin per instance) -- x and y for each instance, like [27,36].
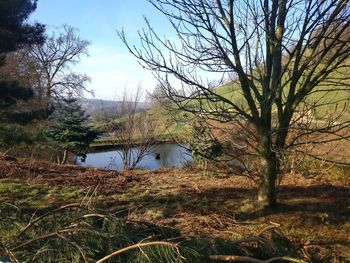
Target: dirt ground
[313,213]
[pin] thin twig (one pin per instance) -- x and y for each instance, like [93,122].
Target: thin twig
[138,245]
[33,222]
[53,234]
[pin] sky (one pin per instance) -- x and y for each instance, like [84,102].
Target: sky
[111,67]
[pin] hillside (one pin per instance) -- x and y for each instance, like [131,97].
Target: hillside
[96,107]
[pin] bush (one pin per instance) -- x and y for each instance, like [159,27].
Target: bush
[13,134]
[203,145]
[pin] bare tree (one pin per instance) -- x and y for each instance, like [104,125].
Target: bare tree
[49,66]
[159,98]
[287,56]
[133,131]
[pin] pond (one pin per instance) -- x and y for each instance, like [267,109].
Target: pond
[163,155]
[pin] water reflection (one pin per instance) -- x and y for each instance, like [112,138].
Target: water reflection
[164,155]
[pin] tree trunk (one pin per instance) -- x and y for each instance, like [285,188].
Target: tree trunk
[267,185]
[268,174]
[64,158]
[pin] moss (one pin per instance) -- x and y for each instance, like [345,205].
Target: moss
[36,196]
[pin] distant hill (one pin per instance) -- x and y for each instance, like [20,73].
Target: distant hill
[96,108]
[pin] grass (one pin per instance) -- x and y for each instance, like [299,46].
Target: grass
[315,215]
[20,200]
[36,196]
[332,105]
[206,213]
[23,202]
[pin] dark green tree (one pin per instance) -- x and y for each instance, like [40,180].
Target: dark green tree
[15,33]
[11,114]
[70,133]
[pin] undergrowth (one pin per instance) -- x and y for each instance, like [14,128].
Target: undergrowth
[75,233]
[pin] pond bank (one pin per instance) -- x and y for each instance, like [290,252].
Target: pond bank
[110,145]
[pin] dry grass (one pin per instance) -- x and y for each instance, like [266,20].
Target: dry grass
[314,213]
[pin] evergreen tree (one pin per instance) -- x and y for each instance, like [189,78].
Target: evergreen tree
[11,114]
[10,93]
[70,132]
[14,34]
[14,31]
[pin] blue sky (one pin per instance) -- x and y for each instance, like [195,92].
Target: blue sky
[109,65]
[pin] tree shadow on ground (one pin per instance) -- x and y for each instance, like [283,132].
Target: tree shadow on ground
[319,209]
[333,201]
[214,200]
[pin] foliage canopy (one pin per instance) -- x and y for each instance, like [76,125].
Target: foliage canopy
[69,132]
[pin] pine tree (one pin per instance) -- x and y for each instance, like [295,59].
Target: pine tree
[14,34]
[14,31]
[70,132]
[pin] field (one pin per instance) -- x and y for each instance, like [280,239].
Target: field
[212,210]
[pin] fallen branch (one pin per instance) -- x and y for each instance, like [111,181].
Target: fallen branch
[54,234]
[138,245]
[33,222]
[9,254]
[269,228]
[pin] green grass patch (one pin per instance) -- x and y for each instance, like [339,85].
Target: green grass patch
[35,196]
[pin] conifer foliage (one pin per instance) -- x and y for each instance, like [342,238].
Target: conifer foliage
[69,131]
[15,33]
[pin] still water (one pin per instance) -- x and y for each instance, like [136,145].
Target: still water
[169,155]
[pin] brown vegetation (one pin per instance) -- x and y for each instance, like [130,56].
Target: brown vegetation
[313,213]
